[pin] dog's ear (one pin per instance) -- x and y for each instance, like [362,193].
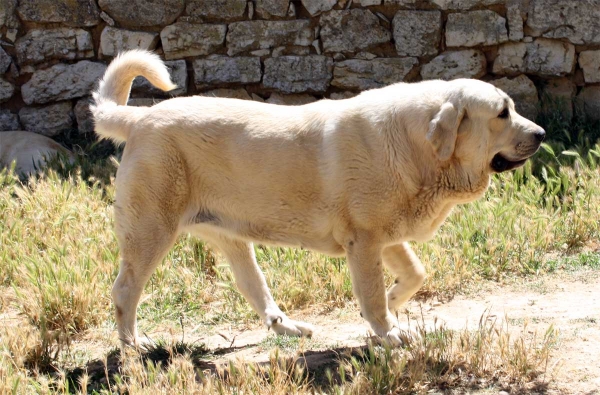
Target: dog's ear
[443,129]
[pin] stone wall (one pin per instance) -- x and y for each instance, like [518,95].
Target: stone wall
[291,52]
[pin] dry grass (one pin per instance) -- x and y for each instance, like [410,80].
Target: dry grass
[59,257]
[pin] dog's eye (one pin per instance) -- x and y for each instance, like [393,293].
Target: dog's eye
[503,114]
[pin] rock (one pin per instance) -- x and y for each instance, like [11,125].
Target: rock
[8,121]
[106,18]
[69,12]
[258,98]
[178,72]
[48,120]
[62,82]
[239,93]
[295,74]
[342,95]
[41,45]
[542,57]
[113,41]
[465,4]
[366,3]
[85,120]
[315,7]
[184,39]
[296,99]
[588,102]
[577,21]
[217,10]
[141,13]
[223,70]
[6,90]
[557,98]
[270,8]
[254,35]
[8,16]
[5,61]
[417,33]
[368,74]
[351,30]
[515,23]
[294,50]
[475,28]
[143,101]
[589,61]
[468,63]
[523,92]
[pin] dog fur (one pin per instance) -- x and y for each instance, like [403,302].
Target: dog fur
[359,178]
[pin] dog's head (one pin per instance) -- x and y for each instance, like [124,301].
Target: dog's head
[479,129]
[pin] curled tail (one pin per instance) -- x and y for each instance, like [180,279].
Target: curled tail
[109,108]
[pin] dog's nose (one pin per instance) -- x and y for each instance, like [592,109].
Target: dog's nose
[540,135]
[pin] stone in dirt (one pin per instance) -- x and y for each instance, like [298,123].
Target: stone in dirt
[272,8]
[576,21]
[468,63]
[113,41]
[69,12]
[85,120]
[217,10]
[6,90]
[351,30]
[296,99]
[9,121]
[5,61]
[588,102]
[295,74]
[474,28]
[141,13]
[367,74]
[557,97]
[41,45]
[541,57]
[239,93]
[223,70]
[62,82]
[315,7]
[184,39]
[589,61]
[255,35]
[524,93]
[417,33]
[48,120]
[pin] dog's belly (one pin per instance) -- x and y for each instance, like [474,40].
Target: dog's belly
[291,233]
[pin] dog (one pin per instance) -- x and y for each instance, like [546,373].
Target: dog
[30,151]
[360,177]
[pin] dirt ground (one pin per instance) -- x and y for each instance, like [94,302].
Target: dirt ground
[569,302]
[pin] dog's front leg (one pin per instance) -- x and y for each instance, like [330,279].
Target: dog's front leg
[252,284]
[409,272]
[365,264]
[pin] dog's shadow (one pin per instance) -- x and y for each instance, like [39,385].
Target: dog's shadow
[320,367]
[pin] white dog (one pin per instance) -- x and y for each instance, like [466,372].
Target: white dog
[359,178]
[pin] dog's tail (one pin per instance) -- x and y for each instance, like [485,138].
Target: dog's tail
[109,107]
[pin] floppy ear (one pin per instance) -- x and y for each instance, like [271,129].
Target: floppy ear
[443,129]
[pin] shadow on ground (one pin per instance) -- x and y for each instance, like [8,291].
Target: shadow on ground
[320,367]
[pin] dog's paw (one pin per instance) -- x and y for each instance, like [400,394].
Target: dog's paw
[284,326]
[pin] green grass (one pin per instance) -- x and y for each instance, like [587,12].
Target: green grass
[59,258]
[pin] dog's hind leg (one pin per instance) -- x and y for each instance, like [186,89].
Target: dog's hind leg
[142,247]
[409,272]
[252,284]
[147,216]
